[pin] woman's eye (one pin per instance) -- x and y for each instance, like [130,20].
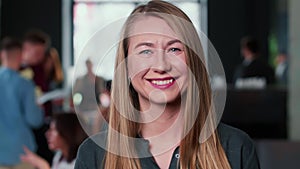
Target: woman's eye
[175,50]
[147,52]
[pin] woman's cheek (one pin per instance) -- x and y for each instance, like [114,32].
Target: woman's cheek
[137,65]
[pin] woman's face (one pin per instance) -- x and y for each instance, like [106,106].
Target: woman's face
[156,61]
[55,141]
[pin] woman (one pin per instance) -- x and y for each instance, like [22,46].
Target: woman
[162,114]
[53,70]
[64,136]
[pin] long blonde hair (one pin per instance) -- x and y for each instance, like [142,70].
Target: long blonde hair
[197,104]
[54,67]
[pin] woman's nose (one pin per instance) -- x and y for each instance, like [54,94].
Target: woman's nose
[162,63]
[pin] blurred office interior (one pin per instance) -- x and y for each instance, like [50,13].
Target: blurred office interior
[270,115]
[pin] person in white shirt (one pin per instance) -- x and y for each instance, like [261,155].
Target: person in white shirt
[282,69]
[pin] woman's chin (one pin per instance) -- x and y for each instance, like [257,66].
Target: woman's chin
[51,147]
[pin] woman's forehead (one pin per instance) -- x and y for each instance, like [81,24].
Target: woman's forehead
[152,25]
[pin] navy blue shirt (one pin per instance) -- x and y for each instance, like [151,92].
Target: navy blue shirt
[238,146]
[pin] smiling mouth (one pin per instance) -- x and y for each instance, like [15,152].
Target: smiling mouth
[162,83]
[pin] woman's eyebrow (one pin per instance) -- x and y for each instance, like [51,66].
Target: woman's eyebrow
[173,41]
[151,44]
[144,44]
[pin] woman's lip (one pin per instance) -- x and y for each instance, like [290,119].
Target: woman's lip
[162,83]
[162,78]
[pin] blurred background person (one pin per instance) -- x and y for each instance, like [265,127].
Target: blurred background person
[64,136]
[253,65]
[54,79]
[89,87]
[35,45]
[53,69]
[281,71]
[86,93]
[18,108]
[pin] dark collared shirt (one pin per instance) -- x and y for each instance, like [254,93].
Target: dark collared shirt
[238,147]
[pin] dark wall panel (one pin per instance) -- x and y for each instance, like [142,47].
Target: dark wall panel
[229,21]
[17,17]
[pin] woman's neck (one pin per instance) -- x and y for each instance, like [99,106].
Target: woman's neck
[162,126]
[65,153]
[157,118]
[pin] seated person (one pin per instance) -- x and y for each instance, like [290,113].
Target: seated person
[64,136]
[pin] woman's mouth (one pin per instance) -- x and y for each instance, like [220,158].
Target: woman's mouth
[162,83]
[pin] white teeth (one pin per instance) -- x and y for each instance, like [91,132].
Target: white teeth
[162,82]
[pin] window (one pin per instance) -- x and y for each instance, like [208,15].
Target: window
[89,16]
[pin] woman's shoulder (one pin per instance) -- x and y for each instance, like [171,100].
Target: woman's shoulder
[56,158]
[231,134]
[91,152]
[238,146]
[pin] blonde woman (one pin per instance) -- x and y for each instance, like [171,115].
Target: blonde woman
[53,70]
[162,113]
